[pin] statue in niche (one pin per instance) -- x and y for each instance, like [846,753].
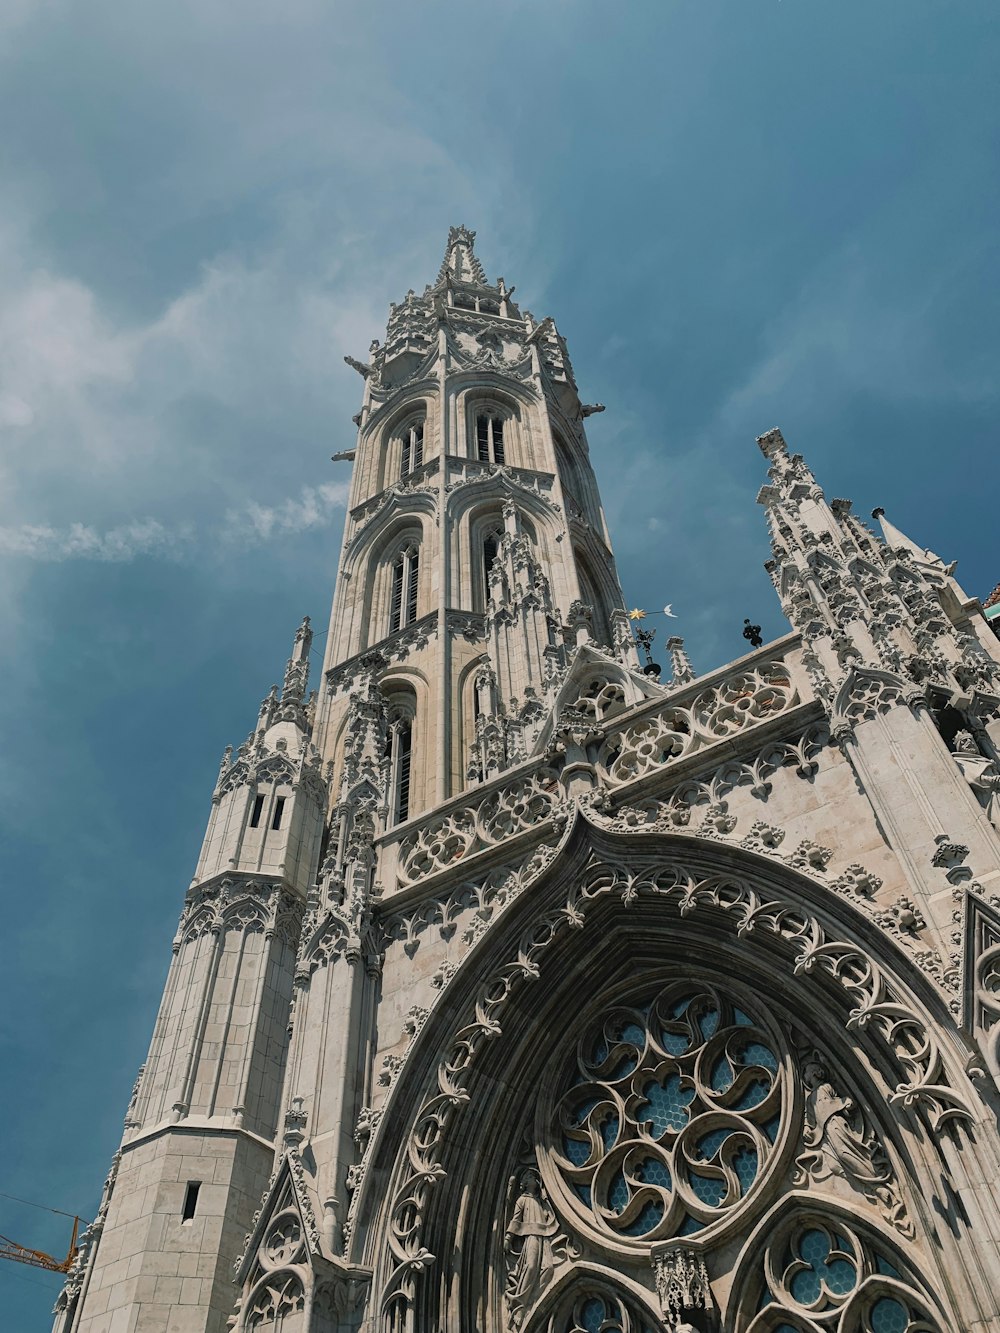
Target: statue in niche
[528,1246]
[840,1144]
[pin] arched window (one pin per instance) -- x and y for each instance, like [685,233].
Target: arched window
[491,549]
[412,448]
[403,599]
[489,436]
[399,750]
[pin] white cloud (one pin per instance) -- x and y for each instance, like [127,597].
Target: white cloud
[259,523]
[80,541]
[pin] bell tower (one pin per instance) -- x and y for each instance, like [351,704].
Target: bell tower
[476,547]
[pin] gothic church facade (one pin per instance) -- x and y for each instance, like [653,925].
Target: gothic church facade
[519,990]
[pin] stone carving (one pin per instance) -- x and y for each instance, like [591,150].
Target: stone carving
[950,857]
[491,818]
[528,1245]
[839,1142]
[682,1285]
[876,1005]
[673,1104]
[739,701]
[820,1267]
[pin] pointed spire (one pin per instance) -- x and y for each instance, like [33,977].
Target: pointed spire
[460,262]
[680,662]
[297,669]
[898,541]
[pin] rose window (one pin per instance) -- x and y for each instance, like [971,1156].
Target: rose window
[669,1116]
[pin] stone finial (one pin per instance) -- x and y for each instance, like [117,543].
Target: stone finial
[680,662]
[772,443]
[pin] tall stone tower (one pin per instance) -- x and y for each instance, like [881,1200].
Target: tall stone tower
[518,989]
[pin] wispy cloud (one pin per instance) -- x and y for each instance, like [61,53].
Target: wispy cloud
[260,523]
[80,541]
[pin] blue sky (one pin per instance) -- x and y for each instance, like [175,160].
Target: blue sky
[742,213]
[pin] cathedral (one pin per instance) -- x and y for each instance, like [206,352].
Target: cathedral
[524,986]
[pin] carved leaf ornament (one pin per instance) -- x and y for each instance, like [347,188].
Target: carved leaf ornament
[670,1116]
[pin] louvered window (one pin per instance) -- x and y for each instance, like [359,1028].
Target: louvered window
[398,751]
[412,448]
[489,438]
[403,596]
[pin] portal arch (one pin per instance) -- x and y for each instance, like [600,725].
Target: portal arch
[655,920]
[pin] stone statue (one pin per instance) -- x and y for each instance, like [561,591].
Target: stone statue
[840,1143]
[528,1247]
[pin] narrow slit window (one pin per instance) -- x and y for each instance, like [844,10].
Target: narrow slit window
[411,590]
[483,439]
[412,454]
[489,438]
[491,548]
[258,808]
[279,809]
[403,596]
[396,604]
[403,748]
[190,1200]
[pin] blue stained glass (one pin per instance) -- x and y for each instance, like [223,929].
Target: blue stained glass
[746,1165]
[585,1109]
[840,1277]
[649,1216]
[882,1265]
[765,1298]
[814,1246]
[665,1108]
[634,1033]
[709,1144]
[721,1077]
[689,1226]
[805,1286]
[618,1195]
[680,1006]
[708,1190]
[584,1194]
[624,1066]
[756,1053]
[772,1126]
[785,1328]
[576,1151]
[675,1043]
[752,1095]
[593,1314]
[609,1131]
[708,1022]
[888,1316]
[742,1019]
[651,1171]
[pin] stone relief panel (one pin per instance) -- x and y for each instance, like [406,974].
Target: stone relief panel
[496,815]
[742,700]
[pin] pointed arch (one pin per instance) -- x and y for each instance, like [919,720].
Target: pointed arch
[610,911]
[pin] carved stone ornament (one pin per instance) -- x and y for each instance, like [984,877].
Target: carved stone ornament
[839,1143]
[682,1285]
[533,1245]
[875,1005]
